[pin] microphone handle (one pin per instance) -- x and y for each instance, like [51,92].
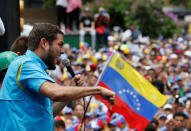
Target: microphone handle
[69,68]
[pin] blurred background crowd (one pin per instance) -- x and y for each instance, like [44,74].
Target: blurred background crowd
[154,45]
[165,63]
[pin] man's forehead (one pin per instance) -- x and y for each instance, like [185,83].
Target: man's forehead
[179,117]
[58,35]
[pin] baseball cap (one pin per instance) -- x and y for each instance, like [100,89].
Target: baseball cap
[167,106]
[67,110]
[6,58]
[187,53]
[182,64]
[75,63]
[173,56]
[163,116]
[97,112]
[188,95]
[178,78]
[186,115]
[171,79]
[93,67]
[175,87]
[85,57]
[105,118]
[93,124]
[74,49]
[111,38]
[181,101]
[88,114]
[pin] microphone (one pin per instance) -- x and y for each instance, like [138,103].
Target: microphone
[66,63]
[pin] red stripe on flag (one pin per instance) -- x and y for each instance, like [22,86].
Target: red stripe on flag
[134,120]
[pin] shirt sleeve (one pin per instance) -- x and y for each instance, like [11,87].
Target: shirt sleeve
[2,28]
[33,76]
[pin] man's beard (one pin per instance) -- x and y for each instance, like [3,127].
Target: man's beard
[49,60]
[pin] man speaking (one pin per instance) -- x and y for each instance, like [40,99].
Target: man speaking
[27,90]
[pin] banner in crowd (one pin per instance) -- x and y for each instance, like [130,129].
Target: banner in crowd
[136,98]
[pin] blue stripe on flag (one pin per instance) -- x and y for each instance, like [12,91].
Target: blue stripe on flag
[128,94]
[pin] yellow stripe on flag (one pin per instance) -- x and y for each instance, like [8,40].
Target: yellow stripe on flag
[137,81]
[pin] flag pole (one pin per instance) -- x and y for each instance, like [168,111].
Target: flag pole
[105,66]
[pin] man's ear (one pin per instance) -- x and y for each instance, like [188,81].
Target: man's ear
[43,43]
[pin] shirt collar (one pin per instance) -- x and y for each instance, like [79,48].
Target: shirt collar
[37,58]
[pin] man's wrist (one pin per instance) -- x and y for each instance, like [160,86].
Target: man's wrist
[99,90]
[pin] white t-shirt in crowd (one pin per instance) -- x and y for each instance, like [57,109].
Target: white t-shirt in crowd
[63,3]
[2,28]
[57,73]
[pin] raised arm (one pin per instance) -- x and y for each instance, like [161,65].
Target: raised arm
[58,106]
[63,93]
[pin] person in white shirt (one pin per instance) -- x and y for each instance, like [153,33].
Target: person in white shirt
[61,6]
[2,28]
[87,25]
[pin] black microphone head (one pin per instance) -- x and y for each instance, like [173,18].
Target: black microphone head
[66,62]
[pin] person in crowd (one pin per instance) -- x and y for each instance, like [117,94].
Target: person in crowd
[167,108]
[87,25]
[162,124]
[135,33]
[73,11]
[179,118]
[61,7]
[19,46]
[66,48]
[57,73]
[102,20]
[69,123]
[59,125]
[164,63]
[5,60]
[78,111]
[28,85]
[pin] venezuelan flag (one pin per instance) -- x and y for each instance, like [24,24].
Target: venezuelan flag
[136,98]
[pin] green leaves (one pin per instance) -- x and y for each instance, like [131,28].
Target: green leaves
[148,16]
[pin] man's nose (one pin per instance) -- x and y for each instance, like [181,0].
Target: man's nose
[62,51]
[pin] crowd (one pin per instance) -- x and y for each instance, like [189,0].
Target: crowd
[164,62]
[71,19]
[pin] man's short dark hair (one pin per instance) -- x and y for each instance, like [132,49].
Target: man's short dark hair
[59,123]
[42,30]
[20,45]
[179,114]
[155,121]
